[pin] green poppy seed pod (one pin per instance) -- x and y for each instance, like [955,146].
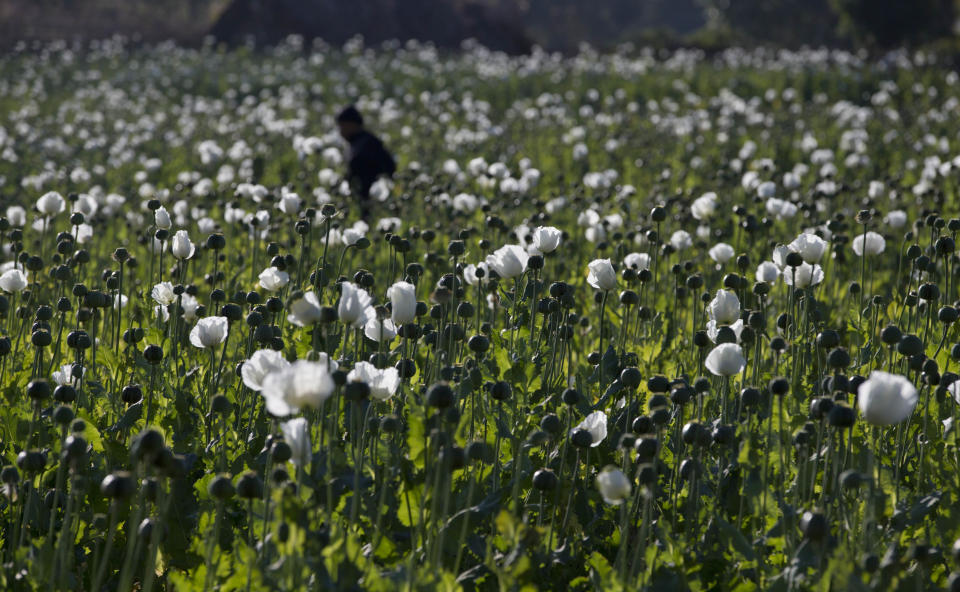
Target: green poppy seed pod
[9,475]
[545,480]
[440,395]
[74,447]
[221,488]
[850,480]
[216,242]
[838,358]
[551,424]
[133,336]
[220,404]
[723,435]
[356,391]
[692,433]
[153,354]
[911,299]
[814,526]
[63,415]
[581,438]
[646,448]
[749,397]
[658,214]
[119,485]
[280,451]
[39,390]
[479,344]
[779,386]
[681,395]
[828,339]
[406,368]
[501,391]
[390,424]
[726,335]
[631,377]
[130,394]
[466,310]
[145,530]
[571,396]
[233,312]
[453,458]
[658,384]
[149,443]
[658,401]
[642,425]
[700,339]
[841,416]
[947,315]
[477,451]
[689,468]
[41,338]
[646,474]
[891,335]
[250,486]
[929,292]
[778,344]
[629,298]
[274,305]
[910,345]
[820,408]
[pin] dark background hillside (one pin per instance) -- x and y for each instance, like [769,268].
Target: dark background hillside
[509,25]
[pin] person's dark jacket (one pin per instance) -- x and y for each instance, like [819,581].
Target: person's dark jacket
[368,160]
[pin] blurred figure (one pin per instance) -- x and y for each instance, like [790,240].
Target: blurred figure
[368,159]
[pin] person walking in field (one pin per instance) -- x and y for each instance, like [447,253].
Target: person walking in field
[368,159]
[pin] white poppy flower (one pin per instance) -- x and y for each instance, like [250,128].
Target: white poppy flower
[355,307]
[546,239]
[300,385]
[596,424]
[260,364]
[886,399]
[725,360]
[273,280]
[403,302]
[601,275]
[869,243]
[614,485]
[305,311]
[13,281]
[725,307]
[509,261]
[810,246]
[806,275]
[296,433]
[209,332]
[383,383]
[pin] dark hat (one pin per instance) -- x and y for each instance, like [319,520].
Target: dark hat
[350,114]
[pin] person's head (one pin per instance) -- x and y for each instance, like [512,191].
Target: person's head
[350,122]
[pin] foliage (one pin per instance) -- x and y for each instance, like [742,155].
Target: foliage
[663,321]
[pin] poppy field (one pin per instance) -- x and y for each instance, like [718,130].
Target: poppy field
[639,320]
